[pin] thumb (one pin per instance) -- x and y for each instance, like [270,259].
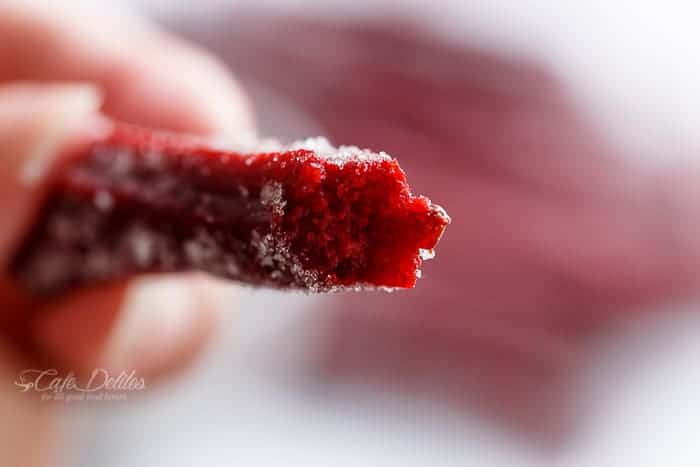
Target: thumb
[38,122]
[154,327]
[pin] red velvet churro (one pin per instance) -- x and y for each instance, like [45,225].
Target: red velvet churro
[307,216]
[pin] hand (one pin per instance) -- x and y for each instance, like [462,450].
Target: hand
[58,71]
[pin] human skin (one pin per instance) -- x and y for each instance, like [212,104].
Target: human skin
[60,71]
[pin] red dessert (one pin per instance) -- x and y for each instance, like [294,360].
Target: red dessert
[306,216]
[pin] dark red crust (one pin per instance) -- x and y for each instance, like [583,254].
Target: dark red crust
[141,201]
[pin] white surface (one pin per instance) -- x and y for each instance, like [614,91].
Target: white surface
[239,407]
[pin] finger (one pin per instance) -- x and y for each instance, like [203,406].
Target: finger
[153,326]
[166,323]
[29,434]
[173,86]
[148,77]
[37,123]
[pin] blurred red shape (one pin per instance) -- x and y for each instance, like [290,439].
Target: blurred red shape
[555,234]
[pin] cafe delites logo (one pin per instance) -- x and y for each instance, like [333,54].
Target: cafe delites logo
[100,385]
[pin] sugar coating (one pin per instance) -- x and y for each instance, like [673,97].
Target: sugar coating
[103,200]
[320,146]
[207,229]
[143,244]
[337,155]
[275,253]
[426,254]
[272,196]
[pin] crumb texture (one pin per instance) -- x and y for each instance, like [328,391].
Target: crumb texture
[306,215]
